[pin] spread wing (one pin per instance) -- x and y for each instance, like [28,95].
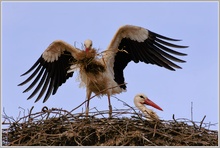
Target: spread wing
[50,70]
[133,43]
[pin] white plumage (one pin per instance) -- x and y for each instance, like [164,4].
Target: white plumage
[140,100]
[102,76]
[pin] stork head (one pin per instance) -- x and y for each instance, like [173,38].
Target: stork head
[88,45]
[141,99]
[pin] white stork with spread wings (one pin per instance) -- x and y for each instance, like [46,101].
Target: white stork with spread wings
[102,76]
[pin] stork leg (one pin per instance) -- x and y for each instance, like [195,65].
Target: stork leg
[87,104]
[110,106]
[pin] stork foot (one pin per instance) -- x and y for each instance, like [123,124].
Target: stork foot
[110,111]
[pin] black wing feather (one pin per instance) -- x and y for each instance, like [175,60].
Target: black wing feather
[32,67]
[39,85]
[35,80]
[169,50]
[49,75]
[31,76]
[154,50]
[154,35]
[118,68]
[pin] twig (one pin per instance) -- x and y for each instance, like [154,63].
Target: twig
[174,118]
[149,141]
[192,111]
[202,122]
[29,115]
[7,117]
[155,129]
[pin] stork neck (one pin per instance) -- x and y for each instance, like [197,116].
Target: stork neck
[141,107]
[87,50]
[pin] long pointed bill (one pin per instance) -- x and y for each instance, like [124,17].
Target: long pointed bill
[151,103]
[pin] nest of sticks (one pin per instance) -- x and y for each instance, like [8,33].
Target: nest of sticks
[127,127]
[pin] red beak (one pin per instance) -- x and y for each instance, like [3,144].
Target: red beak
[151,103]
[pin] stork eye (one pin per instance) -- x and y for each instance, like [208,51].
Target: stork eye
[91,45]
[142,96]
